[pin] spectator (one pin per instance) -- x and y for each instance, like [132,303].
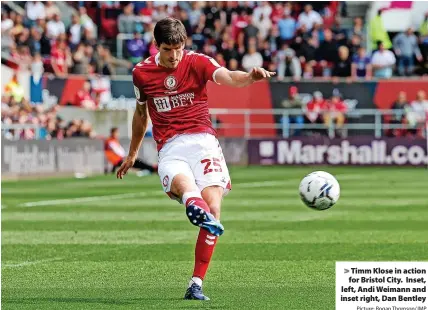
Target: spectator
[266,54]
[6,27]
[126,21]
[401,108]
[194,14]
[45,43]
[309,18]
[293,102]
[287,26]
[14,89]
[252,59]
[274,39]
[240,23]
[262,12]
[60,59]
[342,67]
[327,52]
[340,34]
[416,117]
[136,49]
[288,64]
[23,38]
[264,24]
[220,60]
[35,10]
[314,109]
[87,23]
[75,32]
[423,32]
[361,66]
[354,45]
[51,9]
[82,58]
[25,57]
[184,18]
[159,13]
[307,51]
[277,12]
[335,113]
[228,50]
[357,29]
[55,27]
[405,47]
[107,64]
[83,97]
[250,33]
[115,154]
[18,26]
[37,68]
[233,64]
[378,32]
[34,43]
[6,22]
[383,62]
[308,71]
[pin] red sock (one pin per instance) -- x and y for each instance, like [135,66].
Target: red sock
[203,253]
[197,201]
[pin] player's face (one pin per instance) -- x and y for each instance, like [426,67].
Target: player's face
[170,55]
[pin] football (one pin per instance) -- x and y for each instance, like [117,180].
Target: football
[319,190]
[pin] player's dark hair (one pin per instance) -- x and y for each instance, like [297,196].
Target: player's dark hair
[170,31]
[112,130]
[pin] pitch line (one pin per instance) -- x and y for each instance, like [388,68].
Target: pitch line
[53,202]
[79,200]
[47,260]
[29,263]
[142,194]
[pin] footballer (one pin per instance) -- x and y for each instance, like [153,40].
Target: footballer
[170,88]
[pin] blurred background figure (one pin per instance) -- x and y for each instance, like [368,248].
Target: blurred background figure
[115,154]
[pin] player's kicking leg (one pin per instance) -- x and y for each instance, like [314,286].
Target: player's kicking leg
[197,210]
[205,244]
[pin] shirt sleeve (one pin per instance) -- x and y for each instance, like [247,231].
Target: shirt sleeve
[138,89]
[206,67]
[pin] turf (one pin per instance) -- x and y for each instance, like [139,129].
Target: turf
[136,251]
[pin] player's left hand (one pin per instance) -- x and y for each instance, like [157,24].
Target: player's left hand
[126,165]
[258,74]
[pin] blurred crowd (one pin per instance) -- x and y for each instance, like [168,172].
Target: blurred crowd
[16,110]
[408,118]
[301,40]
[40,41]
[316,110]
[298,40]
[410,115]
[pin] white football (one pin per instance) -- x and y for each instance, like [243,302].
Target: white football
[319,190]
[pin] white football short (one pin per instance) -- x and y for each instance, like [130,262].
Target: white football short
[199,157]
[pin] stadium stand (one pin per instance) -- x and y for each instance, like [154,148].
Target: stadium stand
[312,34]
[300,40]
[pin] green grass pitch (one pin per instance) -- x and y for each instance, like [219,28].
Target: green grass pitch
[134,248]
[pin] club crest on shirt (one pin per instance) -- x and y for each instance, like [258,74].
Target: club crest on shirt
[170,82]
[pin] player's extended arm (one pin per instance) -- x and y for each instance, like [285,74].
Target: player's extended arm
[241,79]
[139,127]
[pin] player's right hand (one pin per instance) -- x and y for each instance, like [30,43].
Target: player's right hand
[128,163]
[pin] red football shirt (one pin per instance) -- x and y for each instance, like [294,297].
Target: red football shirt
[338,106]
[176,98]
[60,58]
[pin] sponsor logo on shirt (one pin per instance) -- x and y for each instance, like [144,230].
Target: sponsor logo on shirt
[167,103]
